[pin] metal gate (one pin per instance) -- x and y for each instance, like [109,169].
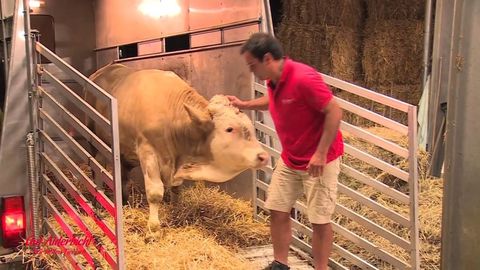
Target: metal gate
[69,195]
[408,198]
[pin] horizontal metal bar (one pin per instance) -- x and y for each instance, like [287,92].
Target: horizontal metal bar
[81,104]
[384,166]
[80,175]
[375,117]
[100,145]
[262,185]
[370,247]
[267,169]
[339,250]
[266,129]
[75,216]
[196,31]
[101,94]
[376,140]
[260,88]
[67,229]
[99,170]
[163,54]
[308,249]
[73,261]
[273,152]
[353,258]
[373,205]
[370,225]
[367,180]
[366,93]
[79,198]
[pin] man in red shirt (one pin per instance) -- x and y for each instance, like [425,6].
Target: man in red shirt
[307,120]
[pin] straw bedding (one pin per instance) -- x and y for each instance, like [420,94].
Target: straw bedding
[203,231]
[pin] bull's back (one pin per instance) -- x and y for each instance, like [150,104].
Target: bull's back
[147,100]
[147,97]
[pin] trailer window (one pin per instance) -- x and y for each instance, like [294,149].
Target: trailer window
[177,43]
[127,51]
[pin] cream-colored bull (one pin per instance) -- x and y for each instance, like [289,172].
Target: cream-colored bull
[175,133]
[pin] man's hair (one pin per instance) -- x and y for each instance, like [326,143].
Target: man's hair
[261,43]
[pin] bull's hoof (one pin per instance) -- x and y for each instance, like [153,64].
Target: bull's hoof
[154,226]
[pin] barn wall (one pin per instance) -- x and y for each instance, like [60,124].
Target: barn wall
[121,21]
[74,31]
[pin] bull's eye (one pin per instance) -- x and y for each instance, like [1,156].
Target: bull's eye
[230,129]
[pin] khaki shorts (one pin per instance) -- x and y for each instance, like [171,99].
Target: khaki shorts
[288,185]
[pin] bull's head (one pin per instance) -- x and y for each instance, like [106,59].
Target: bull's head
[232,143]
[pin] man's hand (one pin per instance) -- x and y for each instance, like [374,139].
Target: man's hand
[316,164]
[237,102]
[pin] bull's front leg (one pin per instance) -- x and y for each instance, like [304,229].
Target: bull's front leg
[153,183]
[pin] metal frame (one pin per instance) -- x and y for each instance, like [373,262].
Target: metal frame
[460,218]
[267,136]
[109,149]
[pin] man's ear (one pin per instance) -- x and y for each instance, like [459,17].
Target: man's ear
[267,58]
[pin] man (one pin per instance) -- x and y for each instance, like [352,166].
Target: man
[306,119]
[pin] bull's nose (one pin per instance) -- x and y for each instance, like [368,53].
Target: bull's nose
[263,158]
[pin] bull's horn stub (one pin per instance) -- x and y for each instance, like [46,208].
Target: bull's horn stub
[219,104]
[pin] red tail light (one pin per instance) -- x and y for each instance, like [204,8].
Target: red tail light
[13,221]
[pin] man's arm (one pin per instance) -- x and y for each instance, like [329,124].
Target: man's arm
[333,116]
[259,104]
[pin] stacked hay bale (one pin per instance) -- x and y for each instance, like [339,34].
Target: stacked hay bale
[324,34]
[393,51]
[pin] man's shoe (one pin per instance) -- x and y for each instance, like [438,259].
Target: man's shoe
[275,265]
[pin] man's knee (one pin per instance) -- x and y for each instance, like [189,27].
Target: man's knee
[279,216]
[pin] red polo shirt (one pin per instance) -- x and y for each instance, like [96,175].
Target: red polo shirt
[295,104]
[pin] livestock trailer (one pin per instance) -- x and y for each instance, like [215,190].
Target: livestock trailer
[49,50]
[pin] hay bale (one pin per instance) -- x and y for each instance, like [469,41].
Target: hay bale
[344,53]
[344,13]
[330,49]
[305,43]
[395,10]
[393,52]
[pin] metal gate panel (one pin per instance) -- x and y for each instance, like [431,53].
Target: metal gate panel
[267,135]
[70,195]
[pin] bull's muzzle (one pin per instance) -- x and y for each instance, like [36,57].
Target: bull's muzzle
[262,159]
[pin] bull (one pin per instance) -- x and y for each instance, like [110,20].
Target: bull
[174,133]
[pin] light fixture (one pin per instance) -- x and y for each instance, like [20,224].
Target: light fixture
[35,3]
[159,8]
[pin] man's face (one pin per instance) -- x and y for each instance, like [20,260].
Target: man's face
[259,68]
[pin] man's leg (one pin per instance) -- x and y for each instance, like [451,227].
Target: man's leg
[281,231]
[285,187]
[322,244]
[321,195]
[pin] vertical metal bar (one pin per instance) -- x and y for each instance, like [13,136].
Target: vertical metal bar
[118,185]
[4,41]
[413,187]
[267,18]
[427,39]
[33,162]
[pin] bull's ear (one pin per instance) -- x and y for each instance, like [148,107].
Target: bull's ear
[196,115]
